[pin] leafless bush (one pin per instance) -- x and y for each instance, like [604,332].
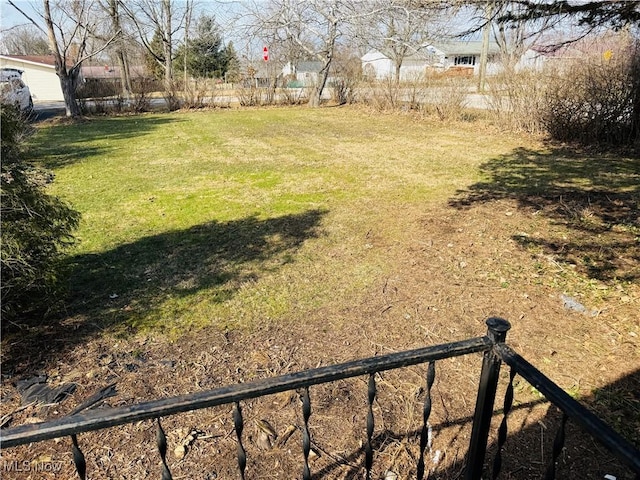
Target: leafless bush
[596,101]
[343,90]
[389,93]
[416,88]
[447,99]
[249,96]
[381,95]
[517,99]
[218,96]
[195,93]
[270,93]
[140,100]
[443,97]
[171,96]
[293,96]
[98,89]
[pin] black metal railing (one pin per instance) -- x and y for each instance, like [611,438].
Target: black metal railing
[495,352]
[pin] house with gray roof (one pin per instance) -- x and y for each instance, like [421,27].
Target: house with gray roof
[462,56]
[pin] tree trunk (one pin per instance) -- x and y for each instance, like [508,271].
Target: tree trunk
[635,113]
[484,54]
[125,78]
[67,77]
[316,96]
[167,48]
[68,84]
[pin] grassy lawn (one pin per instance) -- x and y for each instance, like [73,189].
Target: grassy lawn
[222,246]
[232,217]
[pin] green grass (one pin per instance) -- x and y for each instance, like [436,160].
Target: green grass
[233,217]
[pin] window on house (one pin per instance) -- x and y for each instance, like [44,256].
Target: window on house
[465,60]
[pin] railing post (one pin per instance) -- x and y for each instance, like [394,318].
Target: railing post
[497,332]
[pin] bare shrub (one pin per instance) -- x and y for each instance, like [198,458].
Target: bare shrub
[366,92]
[270,93]
[416,88]
[249,96]
[171,96]
[346,72]
[381,95]
[218,95]
[99,96]
[98,89]
[343,90]
[195,93]
[293,96]
[596,100]
[389,93]
[447,99]
[140,100]
[517,99]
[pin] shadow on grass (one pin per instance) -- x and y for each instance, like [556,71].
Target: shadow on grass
[69,142]
[116,288]
[596,196]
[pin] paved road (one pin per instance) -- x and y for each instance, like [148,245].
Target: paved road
[45,110]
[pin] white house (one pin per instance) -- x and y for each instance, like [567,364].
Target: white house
[302,74]
[378,65]
[39,73]
[463,54]
[464,57]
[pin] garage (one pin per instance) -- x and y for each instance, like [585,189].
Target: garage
[39,74]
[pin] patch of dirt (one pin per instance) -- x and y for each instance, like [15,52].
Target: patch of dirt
[456,268]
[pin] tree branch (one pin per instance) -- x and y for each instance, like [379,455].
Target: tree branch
[26,16]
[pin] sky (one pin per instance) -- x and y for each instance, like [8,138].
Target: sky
[222,9]
[9,16]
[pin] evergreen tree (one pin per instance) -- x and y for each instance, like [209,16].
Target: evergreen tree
[35,226]
[206,55]
[232,63]
[154,57]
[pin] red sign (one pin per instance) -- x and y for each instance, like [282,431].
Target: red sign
[265,53]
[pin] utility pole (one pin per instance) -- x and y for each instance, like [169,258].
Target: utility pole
[484,53]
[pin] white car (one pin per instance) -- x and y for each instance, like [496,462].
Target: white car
[14,90]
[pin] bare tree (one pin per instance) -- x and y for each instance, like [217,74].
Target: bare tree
[112,7]
[164,18]
[401,28]
[69,26]
[24,40]
[514,36]
[308,28]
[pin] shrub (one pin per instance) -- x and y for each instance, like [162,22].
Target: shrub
[343,90]
[593,100]
[596,101]
[517,100]
[196,92]
[447,99]
[35,226]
